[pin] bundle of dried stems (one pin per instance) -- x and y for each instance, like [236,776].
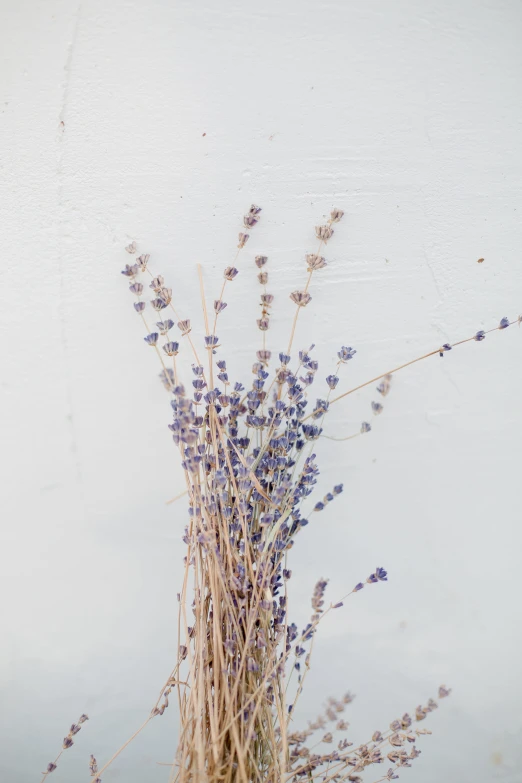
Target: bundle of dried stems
[248,459]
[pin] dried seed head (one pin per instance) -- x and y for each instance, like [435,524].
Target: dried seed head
[384,386]
[263,324]
[219,306]
[230,272]
[143,260]
[324,233]
[130,270]
[171,348]
[243,239]
[260,261]
[165,294]
[67,743]
[157,283]
[93,765]
[165,326]
[263,278]
[131,248]
[301,298]
[152,338]
[184,327]
[314,261]
[267,299]
[336,215]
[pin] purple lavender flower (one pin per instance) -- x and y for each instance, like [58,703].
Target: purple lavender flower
[346,353]
[151,339]
[131,270]
[332,381]
[480,335]
[165,326]
[301,298]
[504,323]
[139,306]
[171,349]
[365,427]
[444,348]
[50,768]
[230,272]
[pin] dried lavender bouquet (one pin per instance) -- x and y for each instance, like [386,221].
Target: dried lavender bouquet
[248,458]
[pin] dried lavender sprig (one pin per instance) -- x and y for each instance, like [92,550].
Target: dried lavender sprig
[378,738]
[68,741]
[477,337]
[249,221]
[302,298]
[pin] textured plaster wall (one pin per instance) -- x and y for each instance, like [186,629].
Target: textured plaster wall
[161,122]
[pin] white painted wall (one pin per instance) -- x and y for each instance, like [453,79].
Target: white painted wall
[161,122]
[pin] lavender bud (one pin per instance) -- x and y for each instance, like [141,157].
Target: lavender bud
[184,327]
[171,349]
[346,353]
[219,306]
[301,298]
[314,261]
[157,283]
[130,271]
[324,233]
[93,765]
[230,272]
